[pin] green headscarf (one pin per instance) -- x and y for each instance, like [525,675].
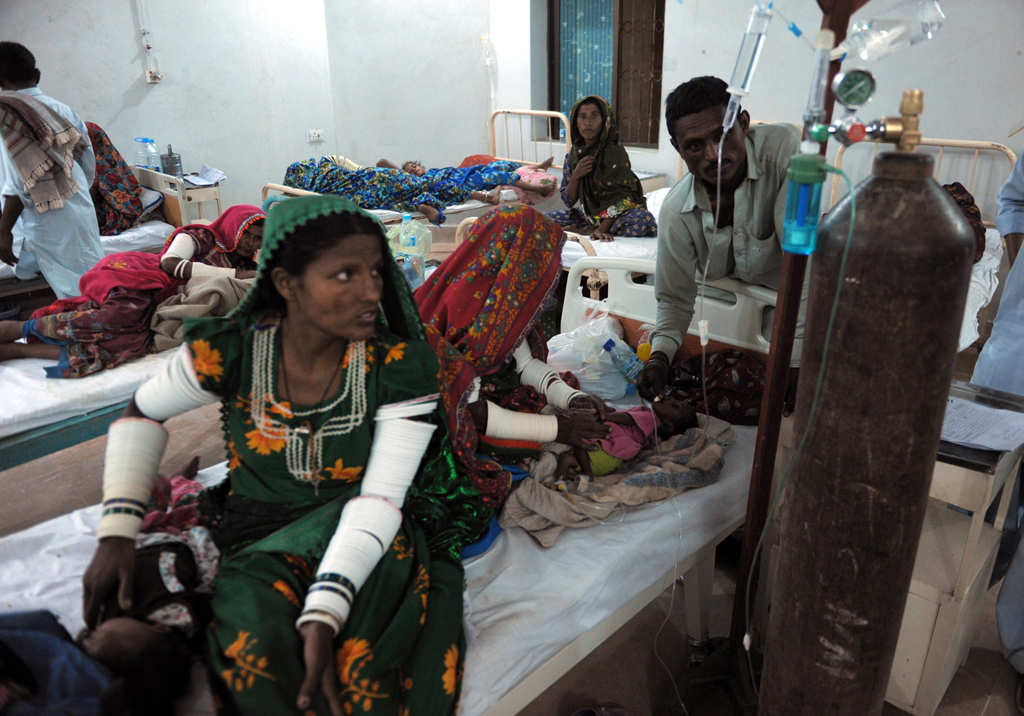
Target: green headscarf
[442,500]
[399,310]
[612,179]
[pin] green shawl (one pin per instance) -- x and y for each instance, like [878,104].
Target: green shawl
[612,179]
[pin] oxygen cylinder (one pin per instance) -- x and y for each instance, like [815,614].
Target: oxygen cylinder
[855,501]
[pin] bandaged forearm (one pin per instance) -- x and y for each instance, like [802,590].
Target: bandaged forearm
[510,425]
[369,522]
[199,269]
[538,374]
[367,528]
[395,457]
[135,447]
[173,390]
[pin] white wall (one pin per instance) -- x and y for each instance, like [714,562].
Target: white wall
[243,79]
[409,80]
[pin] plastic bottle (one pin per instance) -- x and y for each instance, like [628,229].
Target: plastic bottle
[624,359]
[643,348]
[147,155]
[873,39]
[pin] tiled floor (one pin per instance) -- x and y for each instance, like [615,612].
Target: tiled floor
[65,481]
[625,672]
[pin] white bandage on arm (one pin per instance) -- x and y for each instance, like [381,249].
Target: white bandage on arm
[538,374]
[134,449]
[510,425]
[173,390]
[369,522]
[398,448]
[367,528]
[199,269]
[184,247]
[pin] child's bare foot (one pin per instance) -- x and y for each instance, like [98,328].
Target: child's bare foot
[547,189]
[10,331]
[494,196]
[546,163]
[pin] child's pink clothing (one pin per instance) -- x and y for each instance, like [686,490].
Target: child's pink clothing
[625,442]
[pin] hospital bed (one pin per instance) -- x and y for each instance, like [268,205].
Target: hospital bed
[532,614]
[40,416]
[518,153]
[981,163]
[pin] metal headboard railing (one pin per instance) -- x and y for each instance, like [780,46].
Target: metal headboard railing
[557,147]
[943,144]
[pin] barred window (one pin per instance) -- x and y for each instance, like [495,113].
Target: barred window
[611,48]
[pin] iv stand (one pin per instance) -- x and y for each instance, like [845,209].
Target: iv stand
[726,668]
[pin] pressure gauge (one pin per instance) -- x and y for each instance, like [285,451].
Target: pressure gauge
[853,88]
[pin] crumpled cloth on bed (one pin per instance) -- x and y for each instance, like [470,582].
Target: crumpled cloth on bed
[680,463]
[201,297]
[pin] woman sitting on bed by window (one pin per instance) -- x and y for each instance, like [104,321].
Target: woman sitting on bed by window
[304,367]
[603,194]
[483,177]
[482,308]
[382,188]
[109,323]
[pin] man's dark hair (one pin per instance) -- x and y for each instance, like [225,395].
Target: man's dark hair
[17,64]
[695,96]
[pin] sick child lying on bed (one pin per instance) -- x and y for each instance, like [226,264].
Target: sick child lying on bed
[150,646]
[631,431]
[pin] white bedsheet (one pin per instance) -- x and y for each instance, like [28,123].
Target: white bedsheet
[31,400]
[388,215]
[984,282]
[526,602]
[150,235]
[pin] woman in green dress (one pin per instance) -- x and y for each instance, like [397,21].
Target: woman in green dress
[313,615]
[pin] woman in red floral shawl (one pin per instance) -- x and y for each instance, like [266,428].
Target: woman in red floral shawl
[482,310]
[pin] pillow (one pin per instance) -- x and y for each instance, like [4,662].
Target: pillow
[151,201]
[474,159]
[655,199]
[536,176]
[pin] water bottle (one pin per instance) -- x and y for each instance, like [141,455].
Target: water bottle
[624,359]
[412,269]
[873,39]
[147,155]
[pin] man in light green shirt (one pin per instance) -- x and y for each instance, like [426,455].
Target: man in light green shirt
[747,244]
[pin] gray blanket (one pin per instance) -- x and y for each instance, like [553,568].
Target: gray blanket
[544,507]
[201,297]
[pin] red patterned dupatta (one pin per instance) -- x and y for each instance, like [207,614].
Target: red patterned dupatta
[480,303]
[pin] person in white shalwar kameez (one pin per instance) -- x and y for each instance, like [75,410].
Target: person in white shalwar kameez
[64,243]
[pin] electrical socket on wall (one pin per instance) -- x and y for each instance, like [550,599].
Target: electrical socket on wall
[314,135]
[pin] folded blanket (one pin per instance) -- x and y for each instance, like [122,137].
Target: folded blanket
[43,146]
[680,463]
[201,297]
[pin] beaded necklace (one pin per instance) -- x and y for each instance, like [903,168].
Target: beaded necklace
[303,445]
